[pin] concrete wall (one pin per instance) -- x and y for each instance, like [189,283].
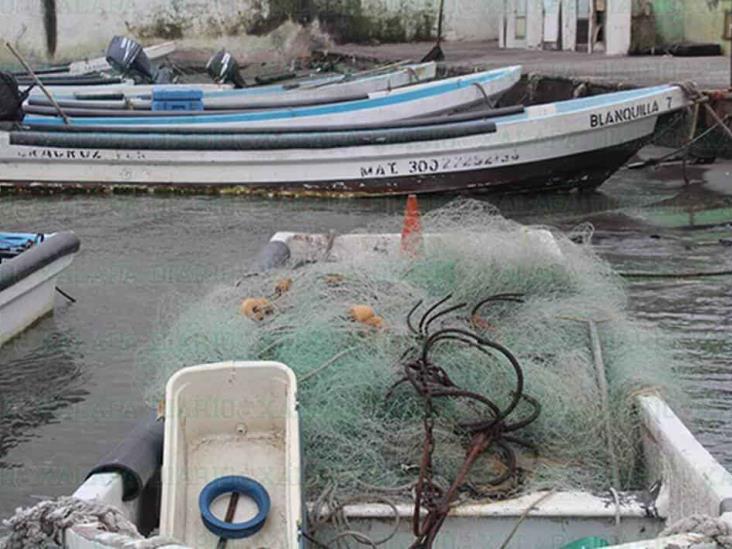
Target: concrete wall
[691,20]
[472,19]
[669,19]
[68,29]
[84,27]
[704,21]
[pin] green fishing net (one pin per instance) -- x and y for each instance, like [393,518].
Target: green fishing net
[360,440]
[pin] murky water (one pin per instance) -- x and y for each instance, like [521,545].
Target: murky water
[69,388]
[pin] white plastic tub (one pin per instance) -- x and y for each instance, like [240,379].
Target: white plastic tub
[231,418]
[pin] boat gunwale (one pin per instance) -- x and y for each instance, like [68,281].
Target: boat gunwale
[54,247]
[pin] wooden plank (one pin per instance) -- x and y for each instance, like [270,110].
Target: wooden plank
[591,28]
[513,10]
[534,24]
[503,25]
[569,25]
[617,27]
[551,21]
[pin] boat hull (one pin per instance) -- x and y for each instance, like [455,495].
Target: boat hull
[29,298]
[582,171]
[575,144]
[689,480]
[248,99]
[420,100]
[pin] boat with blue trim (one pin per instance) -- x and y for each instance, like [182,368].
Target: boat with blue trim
[219,465]
[401,104]
[334,89]
[29,267]
[543,147]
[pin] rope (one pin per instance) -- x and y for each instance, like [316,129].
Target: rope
[665,157]
[693,93]
[601,374]
[616,499]
[524,516]
[327,510]
[45,524]
[67,296]
[486,97]
[493,431]
[712,528]
[698,274]
[328,363]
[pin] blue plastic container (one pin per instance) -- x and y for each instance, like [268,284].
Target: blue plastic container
[177,100]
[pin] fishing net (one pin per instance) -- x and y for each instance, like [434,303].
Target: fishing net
[363,434]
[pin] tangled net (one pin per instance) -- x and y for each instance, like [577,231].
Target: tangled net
[364,432]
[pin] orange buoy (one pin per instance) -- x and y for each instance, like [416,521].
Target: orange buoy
[375,322]
[412,242]
[361,313]
[283,286]
[256,308]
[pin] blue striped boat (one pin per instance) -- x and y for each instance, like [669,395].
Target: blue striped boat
[416,101]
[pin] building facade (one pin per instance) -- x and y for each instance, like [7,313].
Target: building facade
[58,30]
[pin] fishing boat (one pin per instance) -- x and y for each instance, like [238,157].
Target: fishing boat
[115,90]
[577,143]
[82,74]
[239,420]
[419,100]
[29,267]
[333,90]
[100,64]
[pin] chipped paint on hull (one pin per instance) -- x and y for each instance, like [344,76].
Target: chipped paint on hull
[579,171]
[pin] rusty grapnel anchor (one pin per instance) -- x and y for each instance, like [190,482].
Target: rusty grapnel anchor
[491,432]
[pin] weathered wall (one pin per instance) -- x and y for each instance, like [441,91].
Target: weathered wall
[704,21]
[472,19]
[67,29]
[691,20]
[85,26]
[669,18]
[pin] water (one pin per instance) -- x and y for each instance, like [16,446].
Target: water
[69,388]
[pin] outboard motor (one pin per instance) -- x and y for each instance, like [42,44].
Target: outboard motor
[128,57]
[223,68]
[11,98]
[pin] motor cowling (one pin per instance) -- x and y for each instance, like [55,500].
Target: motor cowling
[223,68]
[128,57]
[11,99]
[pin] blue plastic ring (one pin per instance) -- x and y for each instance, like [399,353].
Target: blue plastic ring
[228,485]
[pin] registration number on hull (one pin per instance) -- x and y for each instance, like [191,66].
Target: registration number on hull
[79,154]
[437,165]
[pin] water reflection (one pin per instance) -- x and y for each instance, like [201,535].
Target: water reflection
[40,377]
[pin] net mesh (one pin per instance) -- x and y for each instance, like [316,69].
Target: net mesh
[360,440]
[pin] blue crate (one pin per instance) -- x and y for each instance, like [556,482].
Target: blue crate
[177,100]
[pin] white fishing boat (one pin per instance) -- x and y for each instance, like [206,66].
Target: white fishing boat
[249,98]
[116,90]
[29,268]
[100,64]
[419,100]
[241,419]
[130,90]
[569,144]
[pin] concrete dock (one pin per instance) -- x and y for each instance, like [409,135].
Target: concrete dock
[711,73]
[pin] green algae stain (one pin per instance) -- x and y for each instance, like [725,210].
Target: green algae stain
[346,20]
[351,21]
